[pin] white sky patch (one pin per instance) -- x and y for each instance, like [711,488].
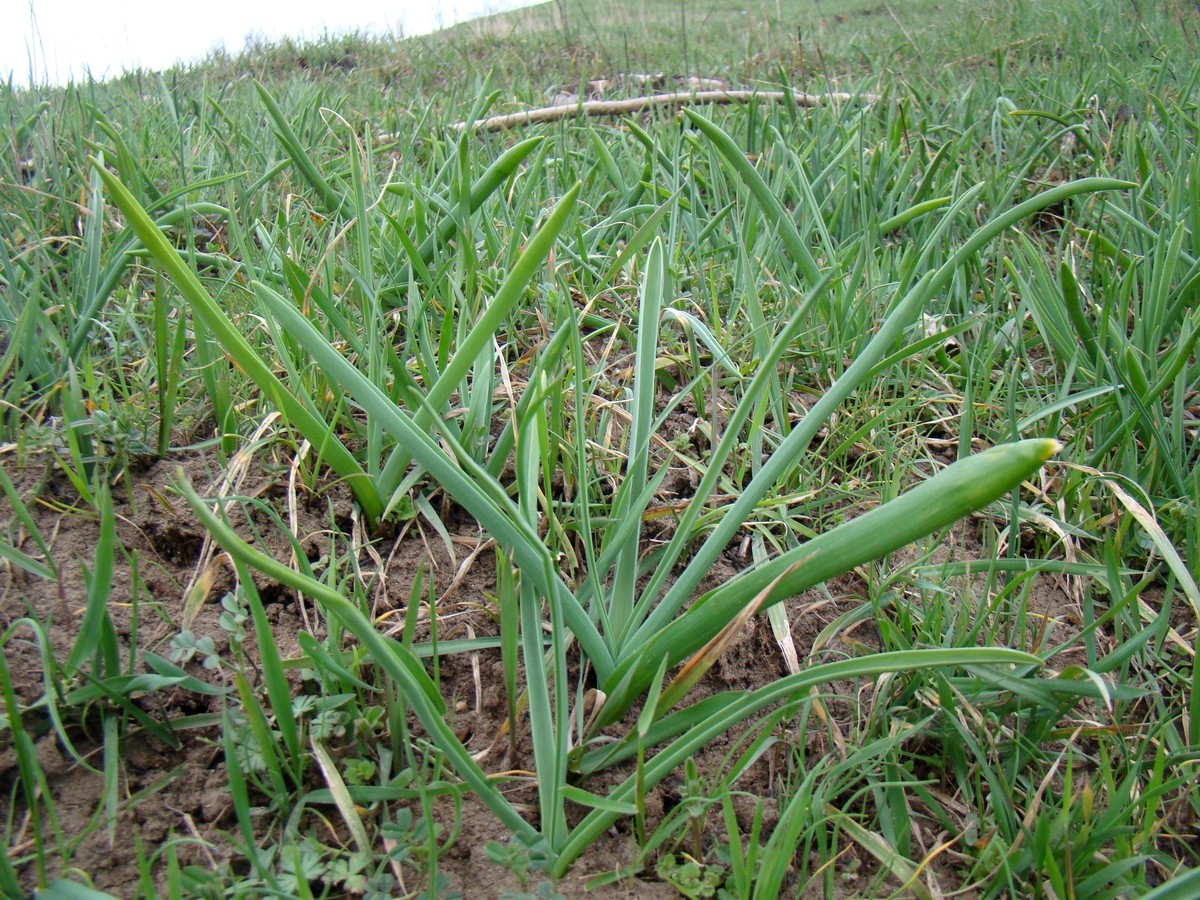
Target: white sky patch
[57,40]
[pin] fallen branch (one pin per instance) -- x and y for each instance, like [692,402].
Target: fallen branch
[637,104]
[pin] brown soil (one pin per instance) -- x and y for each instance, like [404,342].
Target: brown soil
[184,790]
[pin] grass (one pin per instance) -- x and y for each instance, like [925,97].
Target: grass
[928,364]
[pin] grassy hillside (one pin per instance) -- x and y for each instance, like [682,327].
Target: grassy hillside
[742,500]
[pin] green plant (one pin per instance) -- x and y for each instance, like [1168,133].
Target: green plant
[186,646]
[355,229]
[625,633]
[691,878]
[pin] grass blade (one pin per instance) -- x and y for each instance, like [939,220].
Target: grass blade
[776,215]
[961,488]
[318,432]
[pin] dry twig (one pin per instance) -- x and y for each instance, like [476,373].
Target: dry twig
[637,104]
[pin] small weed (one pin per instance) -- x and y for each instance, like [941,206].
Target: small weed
[185,647]
[691,878]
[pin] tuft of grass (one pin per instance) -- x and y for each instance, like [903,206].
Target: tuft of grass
[823,344]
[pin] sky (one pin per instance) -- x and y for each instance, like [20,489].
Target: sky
[65,39]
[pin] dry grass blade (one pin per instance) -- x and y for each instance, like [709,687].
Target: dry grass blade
[341,797]
[900,868]
[706,656]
